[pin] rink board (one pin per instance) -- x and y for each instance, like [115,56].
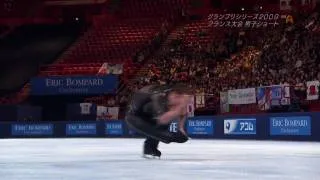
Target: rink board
[276,126]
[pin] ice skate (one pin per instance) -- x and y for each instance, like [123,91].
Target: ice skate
[152,155]
[150,151]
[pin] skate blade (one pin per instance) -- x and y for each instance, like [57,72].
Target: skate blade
[147,156]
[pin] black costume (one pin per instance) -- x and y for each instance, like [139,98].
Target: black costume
[146,105]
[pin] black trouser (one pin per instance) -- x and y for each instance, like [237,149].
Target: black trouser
[154,133]
[152,142]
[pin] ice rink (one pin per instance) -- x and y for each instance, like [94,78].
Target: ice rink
[120,159]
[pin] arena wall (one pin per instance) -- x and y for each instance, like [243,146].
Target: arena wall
[282,126]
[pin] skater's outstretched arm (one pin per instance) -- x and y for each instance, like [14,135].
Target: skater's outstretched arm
[170,115]
[177,108]
[182,121]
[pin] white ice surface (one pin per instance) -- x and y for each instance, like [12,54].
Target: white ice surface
[120,159]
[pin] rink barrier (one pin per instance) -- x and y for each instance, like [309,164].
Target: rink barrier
[276,126]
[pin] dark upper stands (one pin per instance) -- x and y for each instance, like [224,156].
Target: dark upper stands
[112,42]
[28,47]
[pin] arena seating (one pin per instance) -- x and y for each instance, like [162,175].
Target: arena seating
[116,44]
[210,59]
[199,32]
[132,35]
[113,43]
[120,41]
[25,48]
[249,67]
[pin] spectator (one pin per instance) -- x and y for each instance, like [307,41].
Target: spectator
[286,55]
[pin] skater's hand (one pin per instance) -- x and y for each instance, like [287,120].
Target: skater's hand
[170,115]
[161,120]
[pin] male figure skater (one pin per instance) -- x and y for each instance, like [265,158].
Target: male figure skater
[151,111]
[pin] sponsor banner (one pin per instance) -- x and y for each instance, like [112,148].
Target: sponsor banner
[200,127]
[224,106]
[240,126]
[242,96]
[114,128]
[77,85]
[31,129]
[294,125]
[81,129]
[244,20]
[313,90]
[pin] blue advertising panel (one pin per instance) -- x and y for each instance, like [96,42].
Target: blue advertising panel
[292,125]
[81,129]
[114,128]
[200,126]
[81,85]
[31,129]
[243,126]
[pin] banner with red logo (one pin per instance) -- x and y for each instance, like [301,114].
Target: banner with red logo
[107,113]
[313,90]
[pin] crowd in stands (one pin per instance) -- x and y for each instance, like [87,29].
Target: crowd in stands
[288,54]
[216,60]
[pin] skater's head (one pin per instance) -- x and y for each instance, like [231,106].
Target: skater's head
[180,94]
